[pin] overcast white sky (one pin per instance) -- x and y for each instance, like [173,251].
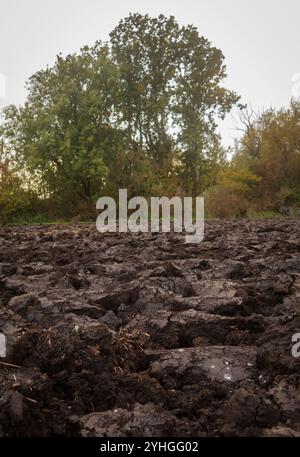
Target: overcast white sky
[259,38]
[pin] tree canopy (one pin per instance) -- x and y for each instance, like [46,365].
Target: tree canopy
[138,111]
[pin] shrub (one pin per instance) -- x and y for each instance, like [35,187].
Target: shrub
[15,200]
[223,203]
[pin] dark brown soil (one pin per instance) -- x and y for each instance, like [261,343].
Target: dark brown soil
[144,335]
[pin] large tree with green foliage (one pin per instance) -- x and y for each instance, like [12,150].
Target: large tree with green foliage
[138,112]
[172,92]
[65,133]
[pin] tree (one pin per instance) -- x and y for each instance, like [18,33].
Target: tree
[171,91]
[65,133]
[276,159]
[138,112]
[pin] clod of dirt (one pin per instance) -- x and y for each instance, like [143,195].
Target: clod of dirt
[142,420]
[192,365]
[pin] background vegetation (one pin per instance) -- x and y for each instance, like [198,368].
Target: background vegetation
[140,112]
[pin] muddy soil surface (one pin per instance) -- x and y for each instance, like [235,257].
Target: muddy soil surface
[144,335]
